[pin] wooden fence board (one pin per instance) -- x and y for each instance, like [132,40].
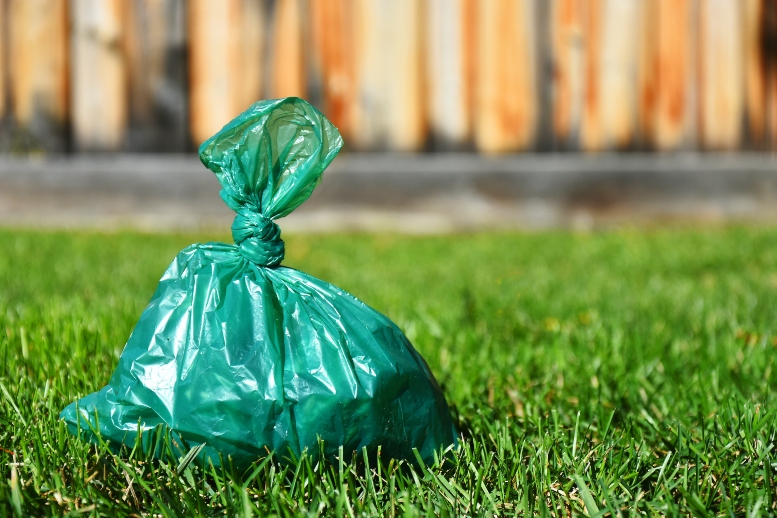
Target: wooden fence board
[389,109]
[506,100]
[449,36]
[99,83]
[38,53]
[647,66]
[619,71]
[250,68]
[568,54]
[369,128]
[4,74]
[591,138]
[225,61]
[760,32]
[721,86]
[155,49]
[209,72]
[404,92]
[661,74]
[768,56]
[611,45]
[771,110]
[755,72]
[543,45]
[288,58]
[333,60]
[666,78]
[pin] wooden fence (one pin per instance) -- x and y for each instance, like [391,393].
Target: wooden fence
[483,75]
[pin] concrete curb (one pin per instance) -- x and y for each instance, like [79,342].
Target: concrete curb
[405,193]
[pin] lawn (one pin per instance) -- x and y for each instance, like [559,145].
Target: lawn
[590,373]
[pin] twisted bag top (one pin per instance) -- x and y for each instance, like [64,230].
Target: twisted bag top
[245,357]
[268,161]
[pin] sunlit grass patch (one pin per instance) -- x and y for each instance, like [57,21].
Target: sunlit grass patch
[590,373]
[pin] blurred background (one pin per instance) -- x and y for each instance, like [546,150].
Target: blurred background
[408,75]
[496,86]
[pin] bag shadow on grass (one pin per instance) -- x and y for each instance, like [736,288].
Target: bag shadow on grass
[163,453]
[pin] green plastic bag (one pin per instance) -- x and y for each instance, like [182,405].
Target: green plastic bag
[244,356]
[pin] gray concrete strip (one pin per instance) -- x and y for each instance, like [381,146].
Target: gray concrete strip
[405,193]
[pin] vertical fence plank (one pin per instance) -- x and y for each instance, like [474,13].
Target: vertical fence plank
[225,61]
[288,58]
[666,76]
[760,30]
[675,119]
[591,138]
[544,74]
[250,47]
[611,34]
[505,110]
[369,67]
[720,81]
[98,86]
[39,72]
[155,50]
[4,75]
[469,22]
[755,77]
[447,72]
[405,94]
[389,108]
[619,70]
[333,59]
[209,74]
[768,43]
[568,58]
[648,66]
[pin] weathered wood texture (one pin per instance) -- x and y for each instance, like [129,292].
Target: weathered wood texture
[450,38]
[373,90]
[665,104]
[610,46]
[568,65]
[595,60]
[505,105]
[370,117]
[491,76]
[720,61]
[288,53]
[389,109]
[760,31]
[99,75]
[768,62]
[619,57]
[333,61]
[154,46]
[38,71]
[225,61]
[4,75]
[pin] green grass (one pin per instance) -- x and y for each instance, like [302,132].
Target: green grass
[600,374]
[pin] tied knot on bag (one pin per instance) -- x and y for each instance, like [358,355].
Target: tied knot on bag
[258,238]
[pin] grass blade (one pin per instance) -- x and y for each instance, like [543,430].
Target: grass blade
[188,458]
[588,499]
